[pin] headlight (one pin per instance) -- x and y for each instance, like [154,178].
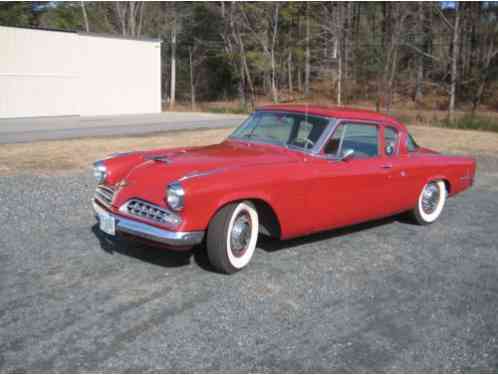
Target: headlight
[100,171]
[175,196]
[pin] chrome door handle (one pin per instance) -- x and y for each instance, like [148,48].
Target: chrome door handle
[386,166]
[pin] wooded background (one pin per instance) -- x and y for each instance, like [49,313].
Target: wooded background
[437,55]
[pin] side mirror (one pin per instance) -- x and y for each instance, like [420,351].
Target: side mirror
[347,155]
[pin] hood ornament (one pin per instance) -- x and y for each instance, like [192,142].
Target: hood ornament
[121,184]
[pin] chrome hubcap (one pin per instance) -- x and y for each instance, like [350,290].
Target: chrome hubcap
[430,198]
[240,234]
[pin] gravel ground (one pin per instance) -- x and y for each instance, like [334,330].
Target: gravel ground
[385,296]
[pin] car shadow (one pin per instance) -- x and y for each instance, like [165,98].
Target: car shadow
[270,244]
[143,251]
[146,252]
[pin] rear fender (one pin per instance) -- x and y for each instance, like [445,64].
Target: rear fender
[441,177]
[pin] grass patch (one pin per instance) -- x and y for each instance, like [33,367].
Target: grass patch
[49,157]
[229,110]
[465,142]
[471,122]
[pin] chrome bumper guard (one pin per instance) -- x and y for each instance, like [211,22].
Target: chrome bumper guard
[149,232]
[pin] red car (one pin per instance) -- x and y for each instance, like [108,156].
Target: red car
[287,171]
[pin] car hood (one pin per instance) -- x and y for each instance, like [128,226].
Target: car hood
[160,167]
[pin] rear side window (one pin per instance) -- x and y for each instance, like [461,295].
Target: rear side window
[411,145]
[363,139]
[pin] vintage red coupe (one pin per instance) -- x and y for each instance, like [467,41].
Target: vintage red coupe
[287,171]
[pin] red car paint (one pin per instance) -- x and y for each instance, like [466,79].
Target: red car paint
[305,193]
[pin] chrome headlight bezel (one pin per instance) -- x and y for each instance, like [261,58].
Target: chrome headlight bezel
[99,171]
[175,196]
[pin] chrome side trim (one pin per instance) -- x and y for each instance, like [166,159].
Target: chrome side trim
[118,154]
[195,174]
[138,229]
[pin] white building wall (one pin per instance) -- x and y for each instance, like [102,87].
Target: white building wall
[121,75]
[50,73]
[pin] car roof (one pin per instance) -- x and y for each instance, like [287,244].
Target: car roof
[335,112]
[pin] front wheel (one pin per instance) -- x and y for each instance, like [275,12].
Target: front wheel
[231,237]
[430,203]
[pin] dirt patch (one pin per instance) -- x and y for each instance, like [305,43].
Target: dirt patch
[58,156]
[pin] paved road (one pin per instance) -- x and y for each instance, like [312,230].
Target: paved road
[387,296]
[50,128]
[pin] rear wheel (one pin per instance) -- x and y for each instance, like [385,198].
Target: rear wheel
[231,237]
[430,203]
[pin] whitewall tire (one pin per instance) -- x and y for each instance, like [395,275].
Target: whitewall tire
[232,236]
[430,202]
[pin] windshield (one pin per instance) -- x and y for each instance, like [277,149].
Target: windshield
[296,130]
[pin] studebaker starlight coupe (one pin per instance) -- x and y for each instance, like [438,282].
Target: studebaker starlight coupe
[287,171]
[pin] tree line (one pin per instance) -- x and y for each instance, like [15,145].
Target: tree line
[347,51]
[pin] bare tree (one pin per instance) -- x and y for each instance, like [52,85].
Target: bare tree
[274,89]
[173,62]
[454,62]
[419,30]
[489,37]
[85,16]
[289,71]
[378,51]
[307,54]
[332,25]
[339,45]
[394,19]
[192,76]
[129,16]
[266,39]
[235,50]
[196,56]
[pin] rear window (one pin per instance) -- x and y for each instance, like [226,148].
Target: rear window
[411,145]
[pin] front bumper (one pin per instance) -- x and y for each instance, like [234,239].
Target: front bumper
[149,232]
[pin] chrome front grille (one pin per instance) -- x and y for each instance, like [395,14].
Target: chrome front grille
[104,194]
[149,211]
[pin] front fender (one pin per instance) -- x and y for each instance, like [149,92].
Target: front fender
[280,188]
[244,195]
[118,166]
[200,208]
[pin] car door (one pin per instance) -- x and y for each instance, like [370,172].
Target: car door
[399,194]
[349,191]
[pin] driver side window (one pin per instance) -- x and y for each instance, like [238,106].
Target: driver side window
[363,139]
[390,141]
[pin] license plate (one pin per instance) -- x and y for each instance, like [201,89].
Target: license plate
[107,223]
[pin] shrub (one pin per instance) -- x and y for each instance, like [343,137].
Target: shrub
[474,122]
